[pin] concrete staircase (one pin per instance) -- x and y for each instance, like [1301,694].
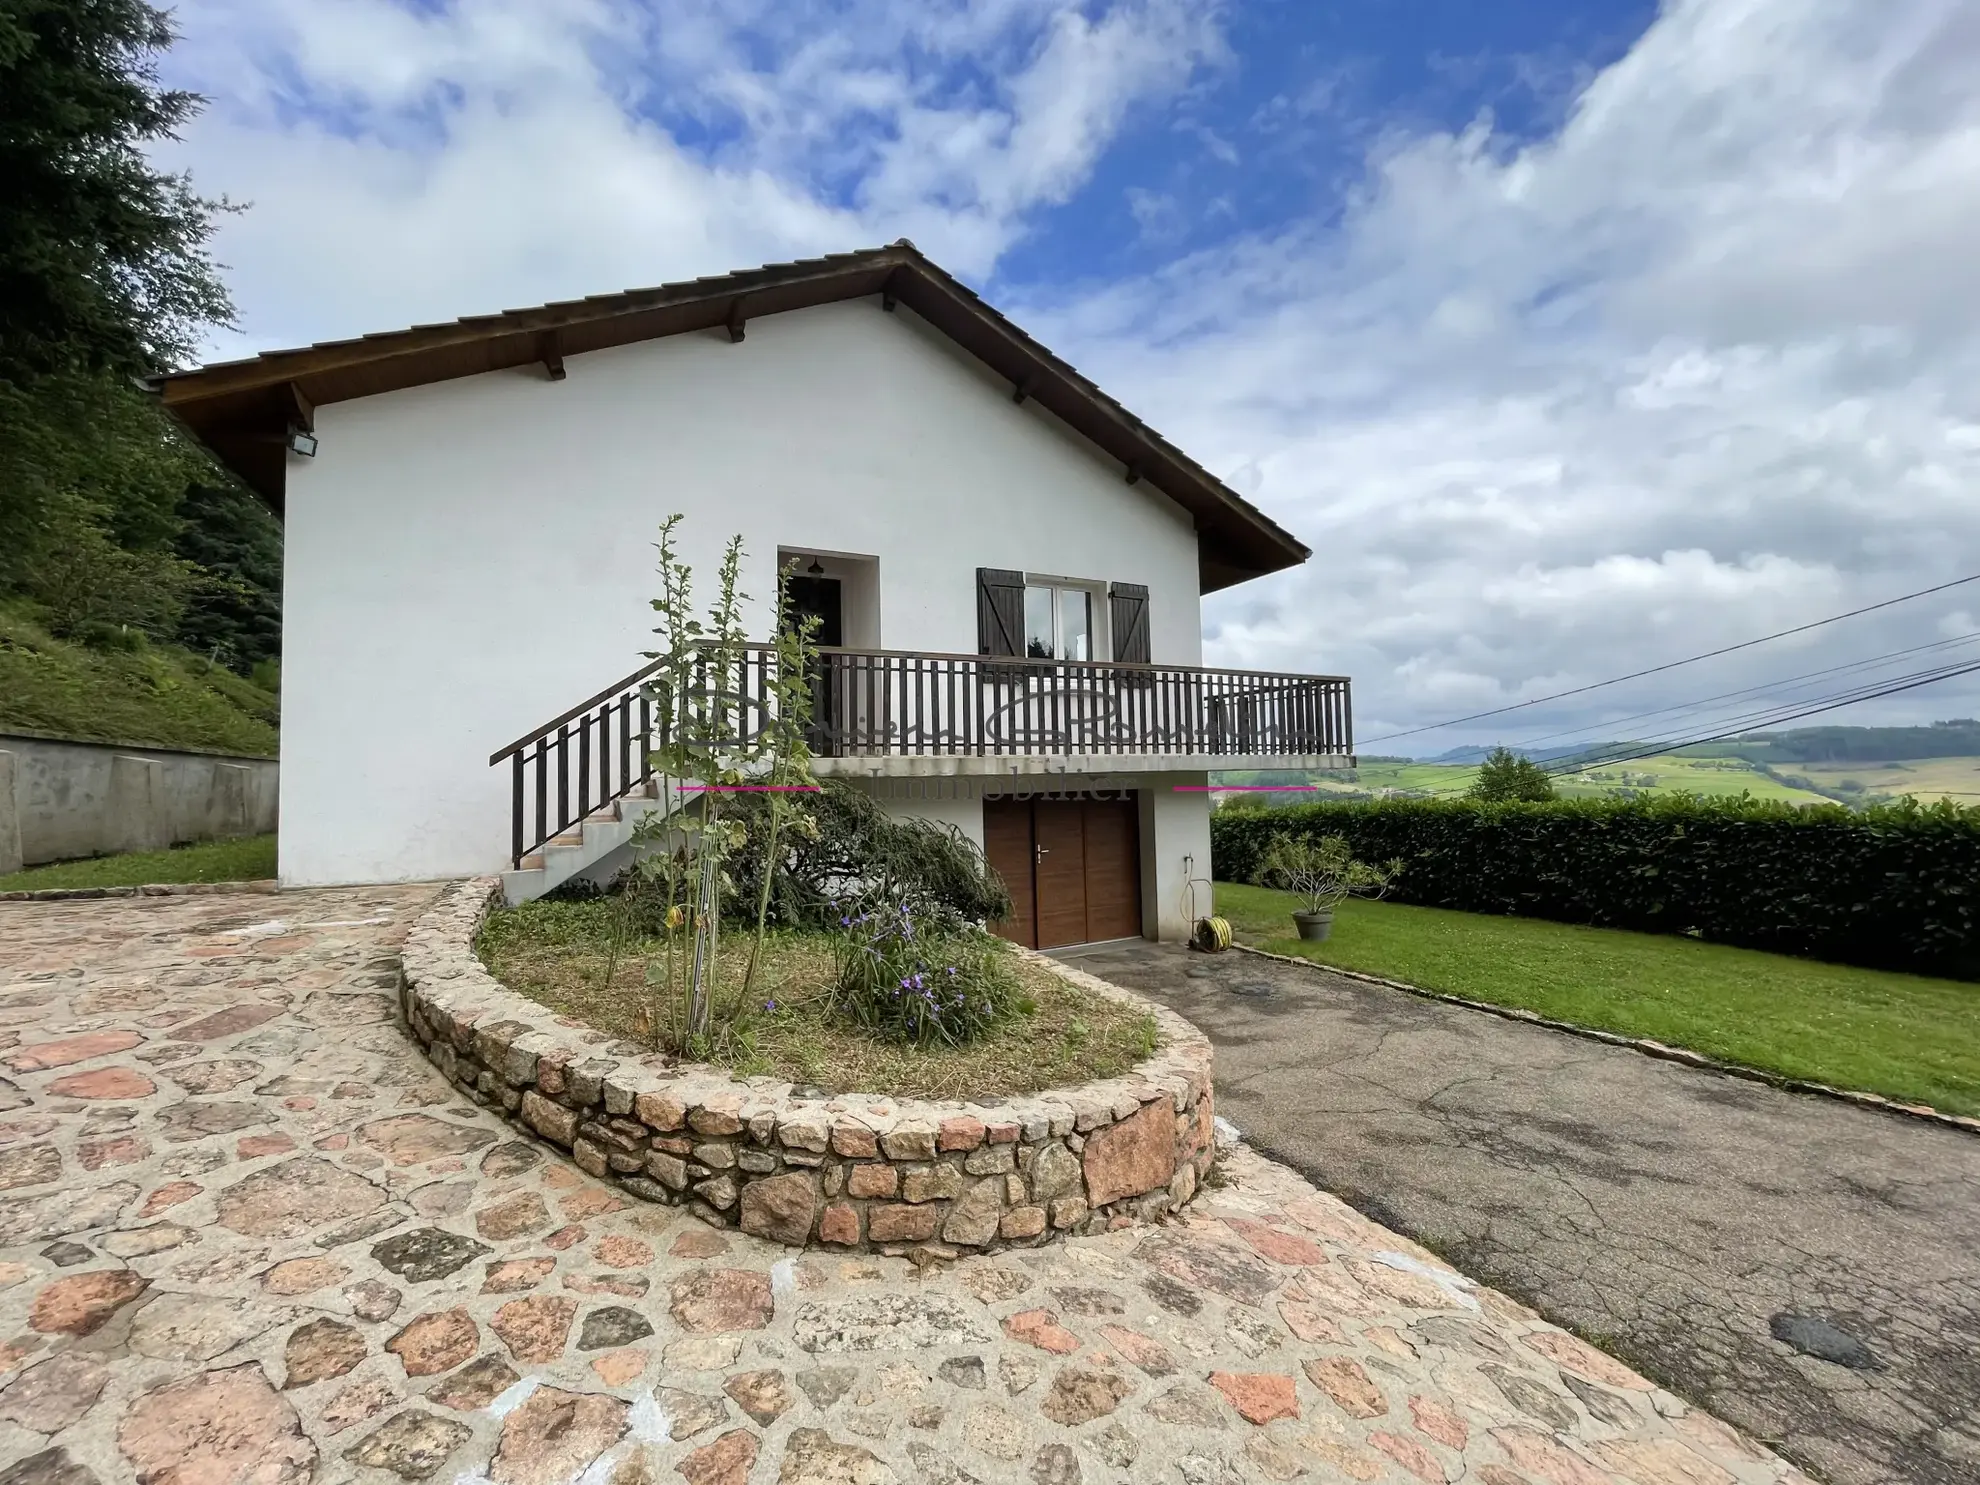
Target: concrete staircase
[597,849]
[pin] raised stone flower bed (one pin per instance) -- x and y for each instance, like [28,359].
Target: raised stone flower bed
[853,1171]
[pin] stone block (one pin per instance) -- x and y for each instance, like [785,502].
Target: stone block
[1022,1222]
[1054,1172]
[669,1170]
[551,1120]
[839,1224]
[991,1160]
[584,1084]
[1068,1211]
[873,1180]
[717,1116]
[719,1193]
[1131,1157]
[661,1111]
[854,1141]
[962,1133]
[780,1208]
[803,1132]
[931,1183]
[909,1142]
[972,1220]
[901,1224]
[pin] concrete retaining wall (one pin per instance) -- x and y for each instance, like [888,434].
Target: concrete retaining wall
[62,800]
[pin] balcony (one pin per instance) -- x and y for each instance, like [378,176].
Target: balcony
[895,713]
[900,711]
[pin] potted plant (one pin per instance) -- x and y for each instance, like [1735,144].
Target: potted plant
[1324,872]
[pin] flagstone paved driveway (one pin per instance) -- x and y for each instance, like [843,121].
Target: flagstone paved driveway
[247,1235]
[1699,1223]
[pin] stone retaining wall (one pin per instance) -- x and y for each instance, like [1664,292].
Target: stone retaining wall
[854,1171]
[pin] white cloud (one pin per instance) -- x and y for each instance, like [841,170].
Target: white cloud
[412,164]
[1704,365]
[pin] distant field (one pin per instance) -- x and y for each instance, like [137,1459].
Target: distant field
[1694,775]
[1648,775]
[1925,779]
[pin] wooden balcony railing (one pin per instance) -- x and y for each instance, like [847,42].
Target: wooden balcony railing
[900,703]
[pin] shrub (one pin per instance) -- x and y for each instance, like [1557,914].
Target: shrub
[1895,887]
[842,846]
[920,982]
[1323,871]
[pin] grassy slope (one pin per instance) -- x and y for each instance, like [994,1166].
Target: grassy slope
[248,860]
[1901,1035]
[159,695]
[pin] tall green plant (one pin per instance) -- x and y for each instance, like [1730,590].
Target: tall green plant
[789,750]
[708,739]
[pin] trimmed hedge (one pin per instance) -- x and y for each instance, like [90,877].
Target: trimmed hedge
[1896,887]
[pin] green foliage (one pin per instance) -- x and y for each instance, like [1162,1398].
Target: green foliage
[1322,870]
[87,456]
[124,690]
[1504,776]
[1894,886]
[233,609]
[698,693]
[694,692]
[103,260]
[248,859]
[841,846]
[918,982]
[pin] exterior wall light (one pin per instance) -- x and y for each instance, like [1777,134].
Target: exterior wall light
[302,443]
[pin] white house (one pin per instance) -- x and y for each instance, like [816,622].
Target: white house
[1007,565]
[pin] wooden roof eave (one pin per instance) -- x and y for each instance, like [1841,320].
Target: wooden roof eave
[242,408]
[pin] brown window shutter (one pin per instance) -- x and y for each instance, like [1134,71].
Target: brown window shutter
[1128,609]
[999,611]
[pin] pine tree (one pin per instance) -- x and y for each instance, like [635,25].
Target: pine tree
[103,260]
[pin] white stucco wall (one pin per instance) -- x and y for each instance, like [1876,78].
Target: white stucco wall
[468,559]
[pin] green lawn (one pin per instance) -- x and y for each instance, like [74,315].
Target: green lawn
[1901,1035]
[250,859]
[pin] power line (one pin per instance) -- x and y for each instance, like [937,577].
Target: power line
[1765,716]
[1674,664]
[1767,687]
[1651,750]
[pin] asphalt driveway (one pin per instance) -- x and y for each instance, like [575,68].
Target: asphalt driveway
[1683,1219]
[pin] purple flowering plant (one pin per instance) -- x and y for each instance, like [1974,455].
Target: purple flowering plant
[912,978]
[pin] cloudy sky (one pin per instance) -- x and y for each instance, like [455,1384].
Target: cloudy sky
[1574,336]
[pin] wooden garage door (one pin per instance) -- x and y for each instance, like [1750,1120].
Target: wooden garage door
[1073,867]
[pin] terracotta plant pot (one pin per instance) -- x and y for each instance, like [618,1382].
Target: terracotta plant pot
[1314,926]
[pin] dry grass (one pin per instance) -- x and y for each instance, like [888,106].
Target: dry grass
[556,954]
[1925,779]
